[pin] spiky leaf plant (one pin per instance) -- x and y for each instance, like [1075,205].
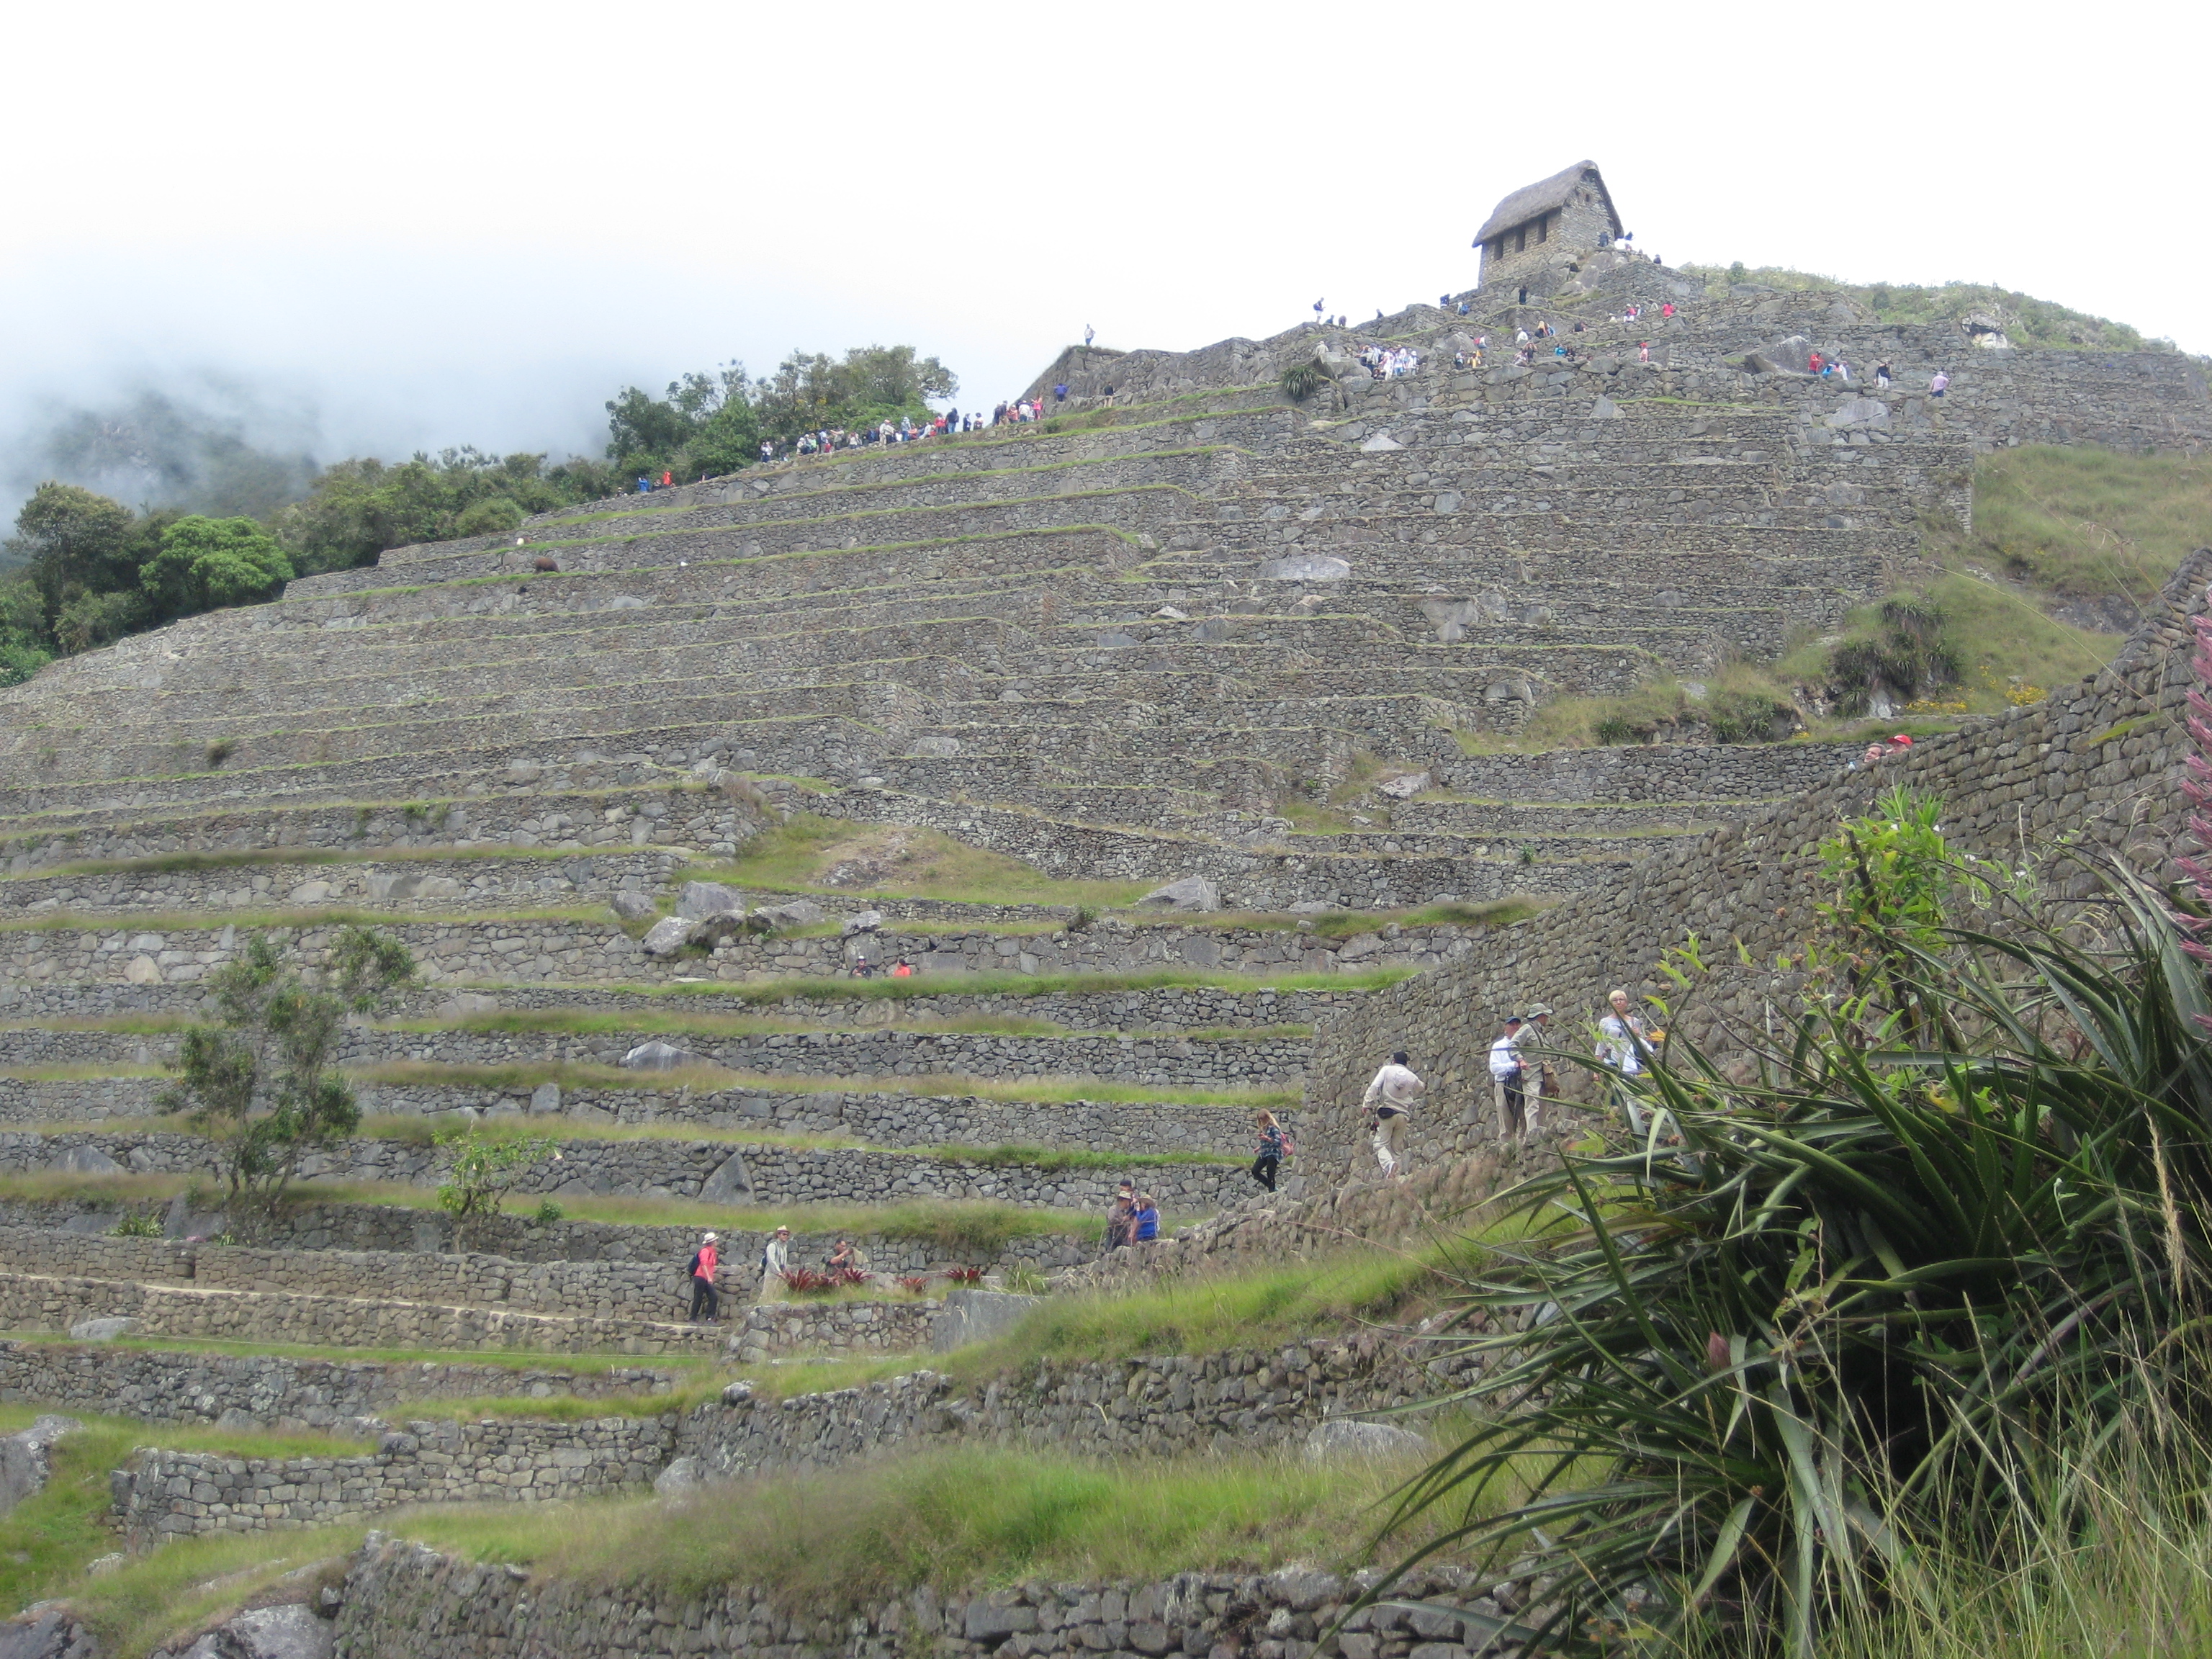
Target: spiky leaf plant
[1953,1214]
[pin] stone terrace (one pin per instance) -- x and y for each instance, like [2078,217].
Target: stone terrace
[1206,633]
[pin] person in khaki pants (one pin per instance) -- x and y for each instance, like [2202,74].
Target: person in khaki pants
[1388,1103]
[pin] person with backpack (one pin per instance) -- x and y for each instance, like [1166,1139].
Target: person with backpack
[1274,1147]
[776,1261]
[1387,1103]
[704,1261]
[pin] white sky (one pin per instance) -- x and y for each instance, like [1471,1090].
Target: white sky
[451,222]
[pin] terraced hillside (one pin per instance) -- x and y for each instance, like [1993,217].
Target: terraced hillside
[966,703]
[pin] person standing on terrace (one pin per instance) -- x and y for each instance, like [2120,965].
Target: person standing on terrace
[1388,1104]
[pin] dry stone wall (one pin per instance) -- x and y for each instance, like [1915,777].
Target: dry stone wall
[523,1239]
[439,887]
[41,1302]
[277,1392]
[1239,1401]
[740,1172]
[1132,1128]
[163,1494]
[404,1600]
[1162,1060]
[35,961]
[2098,766]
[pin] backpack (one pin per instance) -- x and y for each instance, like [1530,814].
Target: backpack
[692,1270]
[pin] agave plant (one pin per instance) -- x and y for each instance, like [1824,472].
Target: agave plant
[1301,381]
[1957,1212]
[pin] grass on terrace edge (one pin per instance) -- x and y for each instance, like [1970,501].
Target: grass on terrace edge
[708,1080]
[981,1228]
[583,1022]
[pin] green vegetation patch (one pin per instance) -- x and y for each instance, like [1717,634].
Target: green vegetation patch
[46,1541]
[2091,522]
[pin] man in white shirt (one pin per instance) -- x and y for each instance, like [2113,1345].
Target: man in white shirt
[775,1259]
[1389,1102]
[1505,1069]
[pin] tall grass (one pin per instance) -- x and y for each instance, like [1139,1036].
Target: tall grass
[2087,522]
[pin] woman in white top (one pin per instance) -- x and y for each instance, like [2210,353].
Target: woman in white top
[1626,1038]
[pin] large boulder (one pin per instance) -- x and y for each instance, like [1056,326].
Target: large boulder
[24,1464]
[977,1316]
[1343,1438]
[1791,356]
[293,1631]
[1306,568]
[86,1160]
[667,936]
[1189,893]
[1861,411]
[730,1183]
[46,1632]
[631,907]
[681,1475]
[701,899]
[867,922]
[659,1057]
[104,1328]
[1379,443]
[792,913]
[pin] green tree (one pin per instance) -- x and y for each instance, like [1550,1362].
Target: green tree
[360,508]
[74,543]
[258,1080]
[481,1171]
[206,564]
[868,385]
[702,414]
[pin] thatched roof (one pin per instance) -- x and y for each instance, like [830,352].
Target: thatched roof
[1542,197]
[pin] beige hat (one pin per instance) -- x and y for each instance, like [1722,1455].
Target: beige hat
[1538,1010]
[710,1239]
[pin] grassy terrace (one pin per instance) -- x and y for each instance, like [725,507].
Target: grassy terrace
[981,1227]
[837,1540]
[583,1022]
[714,1079]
